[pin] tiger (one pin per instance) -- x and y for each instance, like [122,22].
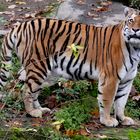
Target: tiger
[109,54]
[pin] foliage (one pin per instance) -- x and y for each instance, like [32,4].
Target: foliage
[80,137]
[133,109]
[131,3]
[134,134]
[43,133]
[75,49]
[137,82]
[76,113]
[135,4]
[15,64]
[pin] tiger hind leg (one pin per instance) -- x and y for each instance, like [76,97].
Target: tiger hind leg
[37,104]
[107,91]
[30,97]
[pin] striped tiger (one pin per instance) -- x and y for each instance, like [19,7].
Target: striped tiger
[109,54]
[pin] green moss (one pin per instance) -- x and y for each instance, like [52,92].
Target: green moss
[2,7]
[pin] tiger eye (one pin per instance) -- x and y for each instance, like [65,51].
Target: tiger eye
[131,20]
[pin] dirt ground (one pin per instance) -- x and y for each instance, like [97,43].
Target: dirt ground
[18,11]
[12,11]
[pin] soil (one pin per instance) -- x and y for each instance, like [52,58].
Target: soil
[36,6]
[23,10]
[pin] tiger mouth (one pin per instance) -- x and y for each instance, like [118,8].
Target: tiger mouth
[133,36]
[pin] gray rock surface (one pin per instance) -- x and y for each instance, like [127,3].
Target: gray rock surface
[70,10]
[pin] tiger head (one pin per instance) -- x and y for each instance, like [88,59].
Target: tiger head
[131,30]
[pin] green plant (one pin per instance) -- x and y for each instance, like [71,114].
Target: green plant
[133,109]
[134,134]
[84,87]
[137,82]
[135,4]
[80,137]
[38,133]
[15,64]
[76,113]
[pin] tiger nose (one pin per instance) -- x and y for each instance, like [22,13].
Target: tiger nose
[135,30]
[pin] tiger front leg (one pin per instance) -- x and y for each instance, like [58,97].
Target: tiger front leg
[121,100]
[107,90]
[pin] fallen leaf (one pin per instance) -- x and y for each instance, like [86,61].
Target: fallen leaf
[92,14]
[31,129]
[37,122]
[101,9]
[20,2]
[88,131]
[38,0]
[8,13]
[80,2]
[68,84]
[9,0]
[105,3]
[30,15]
[58,124]
[95,112]
[60,1]
[12,6]
[83,132]
[71,133]
[16,123]
[51,101]
[100,136]
[136,98]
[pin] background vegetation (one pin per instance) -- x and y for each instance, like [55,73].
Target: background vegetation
[74,115]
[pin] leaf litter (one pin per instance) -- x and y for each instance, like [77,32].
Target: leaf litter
[20,119]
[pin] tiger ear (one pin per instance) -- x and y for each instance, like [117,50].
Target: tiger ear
[128,11]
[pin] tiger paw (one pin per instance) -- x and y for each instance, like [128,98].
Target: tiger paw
[36,113]
[127,121]
[112,122]
[44,109]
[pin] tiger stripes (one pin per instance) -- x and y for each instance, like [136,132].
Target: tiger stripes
[109,55]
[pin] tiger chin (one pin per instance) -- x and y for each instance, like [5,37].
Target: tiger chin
[110,55]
